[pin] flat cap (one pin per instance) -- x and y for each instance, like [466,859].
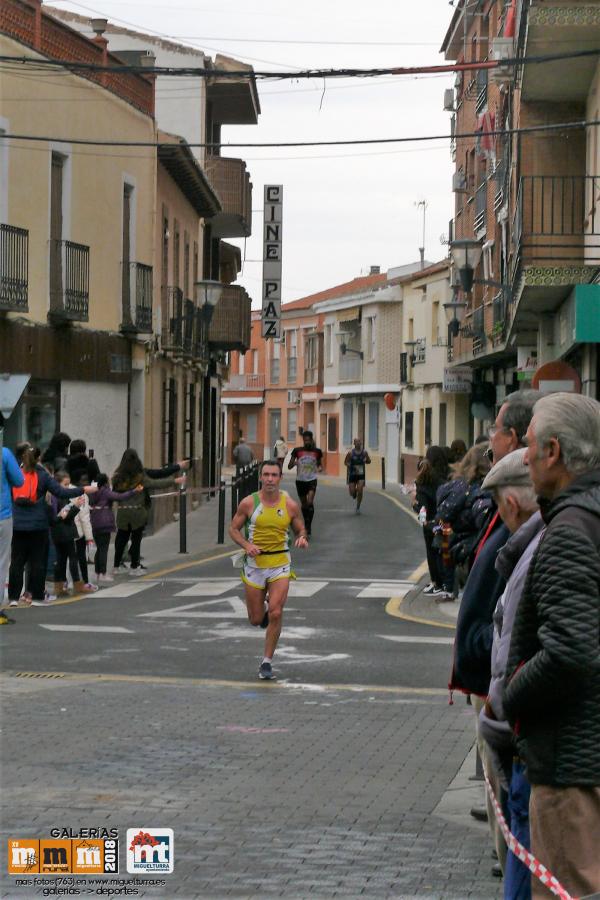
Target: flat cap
[510,471]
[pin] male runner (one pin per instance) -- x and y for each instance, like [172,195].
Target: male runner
[308,460]
[266,517]
[355,461]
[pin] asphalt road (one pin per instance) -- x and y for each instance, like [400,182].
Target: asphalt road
[324,783]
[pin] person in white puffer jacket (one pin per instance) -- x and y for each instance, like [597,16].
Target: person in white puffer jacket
[85,543]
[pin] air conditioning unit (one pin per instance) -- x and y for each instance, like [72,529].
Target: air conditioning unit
[449,99]
[459,182]
[501,48]
[294,396]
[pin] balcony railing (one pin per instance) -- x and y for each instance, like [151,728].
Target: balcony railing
[14,249]
[172,319]
[350,367]
[499,323]
[420,351]
[231,324]
[69,281]
[137,281]
[245,382]
[189,326]
[556,222]
[478,326]
[480,208]
[292,369]
[231,182]
[481,86]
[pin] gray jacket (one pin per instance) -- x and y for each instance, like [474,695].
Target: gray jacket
[512,563]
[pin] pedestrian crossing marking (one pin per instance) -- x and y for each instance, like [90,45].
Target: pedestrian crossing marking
[209,588]
[386,589]
[412,639]
[104,629]
[126,589]
[228,608]
[305,588]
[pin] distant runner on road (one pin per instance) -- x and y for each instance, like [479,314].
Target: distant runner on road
[266,518]
[308,461]
[355,462]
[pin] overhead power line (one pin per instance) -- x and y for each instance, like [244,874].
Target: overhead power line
[501,132]
[202,72]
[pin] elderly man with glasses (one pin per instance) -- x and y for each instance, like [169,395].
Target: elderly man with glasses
[552,691]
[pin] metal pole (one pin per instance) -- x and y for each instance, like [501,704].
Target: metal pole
[182,518]
[383,473]
[233,496]
[221,525]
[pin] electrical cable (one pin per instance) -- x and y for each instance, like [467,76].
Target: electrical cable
[528,129]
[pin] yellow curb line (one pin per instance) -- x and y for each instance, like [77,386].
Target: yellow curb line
[149,577]
[393,609]
[412,516]
[222,683]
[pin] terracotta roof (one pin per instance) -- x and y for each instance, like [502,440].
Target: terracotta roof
[422,273]
[356,286]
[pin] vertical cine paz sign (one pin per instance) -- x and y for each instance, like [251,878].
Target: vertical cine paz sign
[272,234]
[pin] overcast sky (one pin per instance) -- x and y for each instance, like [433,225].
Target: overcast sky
[344,208]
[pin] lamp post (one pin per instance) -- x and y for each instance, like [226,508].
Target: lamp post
[208,294]
[466,253]
[455,312]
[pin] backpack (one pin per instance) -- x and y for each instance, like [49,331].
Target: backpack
[26,495]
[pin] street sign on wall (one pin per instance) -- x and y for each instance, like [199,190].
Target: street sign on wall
[271,286]
[458,380]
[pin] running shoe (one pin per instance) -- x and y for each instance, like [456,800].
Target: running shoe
[265,673]
[120,570]
[47,601]
[4,619]
[444,597]
[105,579]
[13,603]
[431,590]
[136,572]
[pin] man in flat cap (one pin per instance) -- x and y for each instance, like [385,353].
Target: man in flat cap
[509,481]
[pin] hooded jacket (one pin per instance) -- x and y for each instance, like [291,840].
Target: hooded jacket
[552,691]
[35,517]
[512,563]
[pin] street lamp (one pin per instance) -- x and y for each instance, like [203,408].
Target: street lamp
[465,253]
[208,294]
[455,312]
[344,348]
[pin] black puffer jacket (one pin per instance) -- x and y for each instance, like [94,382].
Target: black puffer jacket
[552,692]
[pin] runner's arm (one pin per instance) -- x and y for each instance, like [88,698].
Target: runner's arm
[347,458]
[242,515]
[320,461]
[292,461]
[367,458]
[297,524]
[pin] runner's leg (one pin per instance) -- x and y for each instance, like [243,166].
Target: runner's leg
[352,489]
[309,511]
[360,486]
[255,604]
[278,592]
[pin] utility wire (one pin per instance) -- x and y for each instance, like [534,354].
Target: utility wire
[201,72]
[529,129]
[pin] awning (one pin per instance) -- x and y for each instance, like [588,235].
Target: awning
[349,315]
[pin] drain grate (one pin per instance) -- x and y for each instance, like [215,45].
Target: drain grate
[39,675]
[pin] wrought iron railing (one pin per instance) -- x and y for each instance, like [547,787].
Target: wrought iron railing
[189,322]
[480,208]
[14,250]
[172,318]
[69,280]
[481,85]
[143,297]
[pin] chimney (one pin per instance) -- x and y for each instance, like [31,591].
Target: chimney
[375,270]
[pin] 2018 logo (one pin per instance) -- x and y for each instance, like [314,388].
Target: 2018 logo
[43,856]
[150,850]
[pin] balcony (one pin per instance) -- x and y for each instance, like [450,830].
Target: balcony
[69,282]
[497,335]
[230,325]
[292,369]
[478,327]
[14,265]
[571,26]
[350,368]
[245,382]
[313,369]
[172,319]
[556,237]
[481,90]
[231,182]
[480,221]
[189,328]
[137,284]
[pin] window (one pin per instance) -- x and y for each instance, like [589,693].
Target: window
[251,426]
[329,345]
[242,363]
[443,415]
[292,423]
[403,368]
[373,424]
[408,429]
[371,337]
[435,323]
[292,359]
[169,421]
[428,413]
[332,433]
[255,362]
[348,410]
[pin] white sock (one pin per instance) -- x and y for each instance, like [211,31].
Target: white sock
[267,659]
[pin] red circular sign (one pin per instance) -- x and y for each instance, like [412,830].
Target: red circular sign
[556,376]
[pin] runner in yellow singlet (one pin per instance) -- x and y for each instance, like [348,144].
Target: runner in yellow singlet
[261,527]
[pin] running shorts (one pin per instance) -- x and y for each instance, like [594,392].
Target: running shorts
[303,487]
[260,578]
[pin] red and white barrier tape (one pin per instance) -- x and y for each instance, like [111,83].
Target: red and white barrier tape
[527,858]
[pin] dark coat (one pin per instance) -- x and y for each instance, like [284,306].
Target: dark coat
[474,626]
[35,518]
[63,530]
[426,496]
[79,465]
[552,690]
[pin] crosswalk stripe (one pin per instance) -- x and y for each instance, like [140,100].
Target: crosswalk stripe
[126,589]
[229,608]
[305,588]
[386,589]
[105,629]
[412,639]
[209,588]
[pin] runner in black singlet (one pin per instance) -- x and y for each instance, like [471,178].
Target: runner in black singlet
[308,461]
[356,460]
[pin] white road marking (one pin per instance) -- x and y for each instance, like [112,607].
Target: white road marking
[209,588]
[126,589]
[305,588]
[292,655]
[105,629]
[229,608]
[386,589]
[406,639]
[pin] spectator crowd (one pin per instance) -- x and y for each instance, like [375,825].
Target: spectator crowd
[58,512]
